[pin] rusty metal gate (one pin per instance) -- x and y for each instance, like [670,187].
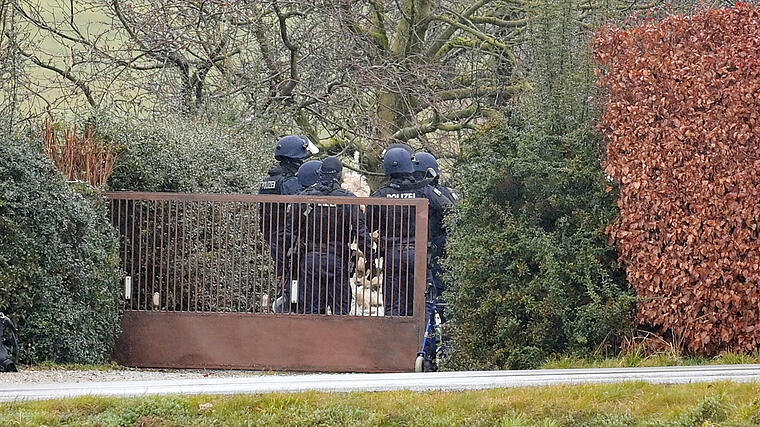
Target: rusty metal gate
[205,273]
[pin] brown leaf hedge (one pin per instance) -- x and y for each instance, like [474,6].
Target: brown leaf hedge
[682,128]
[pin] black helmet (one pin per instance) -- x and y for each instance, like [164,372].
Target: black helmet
[308,173]
[397,160]
[332,168]
[397,145]
[426,164]
[293,147]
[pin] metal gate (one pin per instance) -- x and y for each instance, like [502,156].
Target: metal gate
[204,273]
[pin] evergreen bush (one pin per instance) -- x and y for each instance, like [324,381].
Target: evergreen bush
[59,270]
[184,154]
[530,270]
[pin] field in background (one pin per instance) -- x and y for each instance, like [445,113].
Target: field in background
[631,404]
[57,52]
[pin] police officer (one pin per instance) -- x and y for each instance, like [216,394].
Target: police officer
[308,174]
[426,170]
[397,229]
[290,152]
[326,230]
[426,167]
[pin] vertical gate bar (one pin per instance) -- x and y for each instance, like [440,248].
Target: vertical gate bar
[200,291]
[384,238]
[318,269]
[154,208]
[370,221]
[420,263]
[310,242]
[138,245]
[251,245]
[366,250]
[192,277]
[132,253]
[305,243]
[164,266]
[230,257]
[353,235]
[299,245]
[176,253]
[238,277]
[324,256]
[407,295]
[214,260]
[345,239]
[221,265]
[274,248]
[183,256]
[334,229]
[260,257]
[265,217]
[210,270]
[123,239]
[224,240]
[321,303]
[140,258]
[162,272]
[394,249]
[338,269]
[404,246]
[227,254]
[282,247]
[304,230]
[290,238]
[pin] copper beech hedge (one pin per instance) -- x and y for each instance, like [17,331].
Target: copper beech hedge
[682,125]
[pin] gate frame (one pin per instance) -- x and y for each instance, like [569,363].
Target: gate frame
[264,341]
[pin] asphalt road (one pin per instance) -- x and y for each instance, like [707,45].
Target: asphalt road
[449,381]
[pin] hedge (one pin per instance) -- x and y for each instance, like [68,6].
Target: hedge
[682,125]
[59,274]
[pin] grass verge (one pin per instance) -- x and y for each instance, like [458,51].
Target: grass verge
[629,404]
[640,359]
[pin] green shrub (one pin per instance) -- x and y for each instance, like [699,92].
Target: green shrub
[531,273]
[180,154]
[59,275]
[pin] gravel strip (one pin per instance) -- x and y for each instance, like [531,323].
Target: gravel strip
[43,376]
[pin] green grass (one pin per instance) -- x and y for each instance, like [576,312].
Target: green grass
[639,359]
[629,404]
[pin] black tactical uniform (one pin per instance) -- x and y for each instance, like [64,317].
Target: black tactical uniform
[397,233]
[281,180]
[326,231]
